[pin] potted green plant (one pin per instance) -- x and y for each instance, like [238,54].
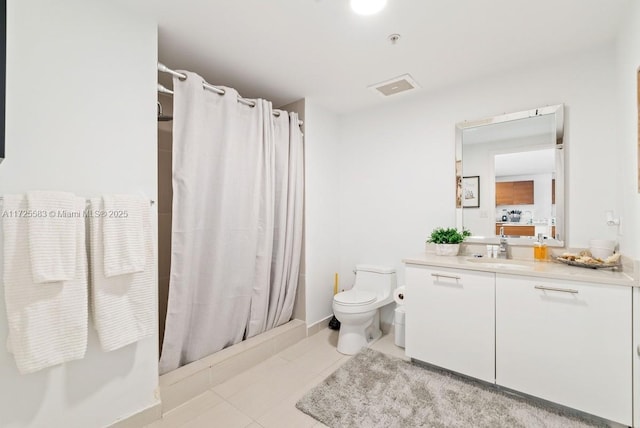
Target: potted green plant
[447,240]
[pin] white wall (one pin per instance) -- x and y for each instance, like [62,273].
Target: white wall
[397,160]
[628,61]
[80,118]
[628,56]
[322,207]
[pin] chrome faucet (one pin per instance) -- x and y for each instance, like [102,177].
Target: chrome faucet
[503,252]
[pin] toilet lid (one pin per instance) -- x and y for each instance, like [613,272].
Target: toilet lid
[355,297]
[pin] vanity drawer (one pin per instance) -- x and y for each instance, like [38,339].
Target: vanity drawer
[450,319]
[567,342]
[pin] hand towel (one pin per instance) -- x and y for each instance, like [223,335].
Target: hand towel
[123,307]
[124,243]
[47,322]
[51,219]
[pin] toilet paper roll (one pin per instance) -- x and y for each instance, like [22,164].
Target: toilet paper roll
[398,295]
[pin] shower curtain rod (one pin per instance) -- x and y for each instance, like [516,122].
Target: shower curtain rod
[164,69]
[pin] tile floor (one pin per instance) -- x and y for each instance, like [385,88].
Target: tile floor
[265,395]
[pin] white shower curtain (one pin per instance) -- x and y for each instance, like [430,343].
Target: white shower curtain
[230,232]
[287,239]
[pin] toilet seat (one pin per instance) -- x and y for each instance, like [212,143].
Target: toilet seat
[355,297]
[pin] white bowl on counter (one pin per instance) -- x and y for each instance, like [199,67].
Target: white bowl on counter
[602,248]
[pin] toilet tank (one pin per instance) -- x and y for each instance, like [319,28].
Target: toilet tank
[378,279]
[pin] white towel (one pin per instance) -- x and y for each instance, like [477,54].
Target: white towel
[123,306]
[47,322]
[52,235]
[124,243]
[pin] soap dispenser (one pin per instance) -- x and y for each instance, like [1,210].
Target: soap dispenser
[540,249]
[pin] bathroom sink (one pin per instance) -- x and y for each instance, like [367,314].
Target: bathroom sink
[500,263]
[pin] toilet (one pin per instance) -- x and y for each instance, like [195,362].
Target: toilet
[358,309]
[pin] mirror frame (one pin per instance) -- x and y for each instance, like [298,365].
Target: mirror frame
[558,112]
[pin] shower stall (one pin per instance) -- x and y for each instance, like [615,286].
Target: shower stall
[230,190]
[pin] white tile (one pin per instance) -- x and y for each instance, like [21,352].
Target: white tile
[290,337]
[318,358]
[188,411]
[386,345]
[222,415]
[258,398]
[178,375]
[249,377]
[296,350]
[315,328]
[319,350]
[184,390]
[284,329]
[236,365]
[335,366]
[143,418]
[285,415]
[257,389]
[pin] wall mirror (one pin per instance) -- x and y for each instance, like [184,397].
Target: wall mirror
[510,176]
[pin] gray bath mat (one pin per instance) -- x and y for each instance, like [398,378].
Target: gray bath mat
[375,390]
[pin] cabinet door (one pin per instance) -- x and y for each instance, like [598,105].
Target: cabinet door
[450,319]
[523,192]
[504,193]
[571,346]
[516,230]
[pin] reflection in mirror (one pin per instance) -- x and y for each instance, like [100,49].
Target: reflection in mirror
[519,160]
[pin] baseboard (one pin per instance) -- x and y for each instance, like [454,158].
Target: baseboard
[386,327]
[318,326]
[142,418]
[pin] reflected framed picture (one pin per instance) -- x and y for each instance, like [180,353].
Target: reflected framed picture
[471,191]
[459,184]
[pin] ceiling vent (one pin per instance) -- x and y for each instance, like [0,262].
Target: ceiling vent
[395,86]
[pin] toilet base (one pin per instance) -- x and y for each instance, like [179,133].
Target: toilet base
[357,335]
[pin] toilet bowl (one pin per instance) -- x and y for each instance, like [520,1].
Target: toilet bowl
[358,309]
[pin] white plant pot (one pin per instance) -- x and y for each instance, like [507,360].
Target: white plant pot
[447,249]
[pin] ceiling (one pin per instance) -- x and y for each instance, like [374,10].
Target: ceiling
[284,50]
[525,163]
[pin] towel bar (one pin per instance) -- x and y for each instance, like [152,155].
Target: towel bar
[151,201]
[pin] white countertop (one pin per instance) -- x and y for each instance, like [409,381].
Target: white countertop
[619,276]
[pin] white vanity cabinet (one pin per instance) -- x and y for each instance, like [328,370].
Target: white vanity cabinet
[565,341]
[450,319]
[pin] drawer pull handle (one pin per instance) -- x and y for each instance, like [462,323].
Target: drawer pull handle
[562,290]
[439,275]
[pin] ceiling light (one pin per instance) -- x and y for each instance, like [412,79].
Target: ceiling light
[367,7]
